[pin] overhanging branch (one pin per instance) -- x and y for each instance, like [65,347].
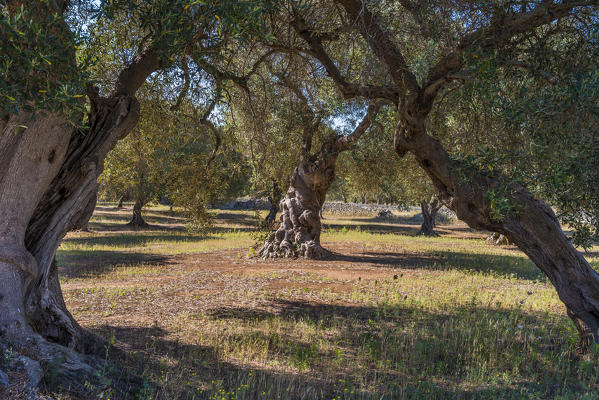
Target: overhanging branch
[317,50]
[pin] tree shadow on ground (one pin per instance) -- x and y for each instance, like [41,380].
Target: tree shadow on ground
[423,370]
[408,230]
[136,239]
[370,225]
[85,263]
[233,218]
[123,226]
[503,265]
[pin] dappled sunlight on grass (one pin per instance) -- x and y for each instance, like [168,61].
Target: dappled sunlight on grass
[387,316]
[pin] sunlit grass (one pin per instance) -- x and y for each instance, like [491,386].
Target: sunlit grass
[393,317]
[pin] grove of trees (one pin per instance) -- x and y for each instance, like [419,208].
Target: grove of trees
[487,107]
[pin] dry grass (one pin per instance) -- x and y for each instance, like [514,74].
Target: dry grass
[389,316]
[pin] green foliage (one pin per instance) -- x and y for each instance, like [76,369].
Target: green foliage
[373,171]
[539,129]
[38,67]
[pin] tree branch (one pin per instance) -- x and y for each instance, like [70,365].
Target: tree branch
[501,29]
[186,84]
[347,89]
[345,142]
[207,123]
[220,75]
[135,74]
[382,45]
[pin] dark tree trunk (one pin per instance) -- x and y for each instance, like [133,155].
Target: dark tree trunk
[274,198]
[429,213]
[121,200]
[299,231]
[137,220]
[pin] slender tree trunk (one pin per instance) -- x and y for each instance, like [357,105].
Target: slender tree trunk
[429,213]
[137,219]
[140,193]
[274,198]
[121,200]
[531,225]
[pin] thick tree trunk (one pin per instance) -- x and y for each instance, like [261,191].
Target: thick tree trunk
[68,200]
[429,213]
[137,219]
[299,231]
[48,187]
[274,198]
[48,173]
[531,224]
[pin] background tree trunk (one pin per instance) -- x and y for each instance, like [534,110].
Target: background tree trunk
[429,213]
[120,203]
[274,198]
[498,239]
[137,219]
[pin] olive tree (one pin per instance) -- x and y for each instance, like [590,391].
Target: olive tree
[57,123]
[426,48]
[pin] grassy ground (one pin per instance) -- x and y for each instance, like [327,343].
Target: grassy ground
[389,316]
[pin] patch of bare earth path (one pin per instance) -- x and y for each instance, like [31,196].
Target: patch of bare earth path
[387,316]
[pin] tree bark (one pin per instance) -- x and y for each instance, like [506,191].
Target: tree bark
[531,224]
[48,173]
[137,219]
[274,198]
[121,200]
[68,200]
[299,231]
[429,213]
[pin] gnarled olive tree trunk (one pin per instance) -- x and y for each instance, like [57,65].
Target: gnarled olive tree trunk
[531,224]
[137,219]
[299,231]
[429,213]
[48,173]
